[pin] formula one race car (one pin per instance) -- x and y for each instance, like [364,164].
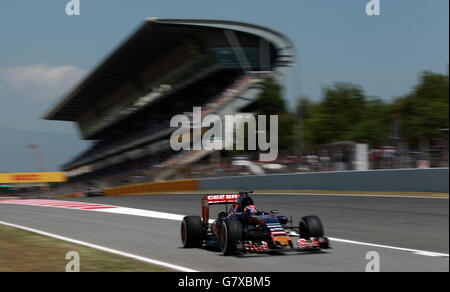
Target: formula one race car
[93,192]
[243,228]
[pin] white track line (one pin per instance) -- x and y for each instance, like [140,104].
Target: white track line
[102,248]
[415,251]
[142,213]
[178,217]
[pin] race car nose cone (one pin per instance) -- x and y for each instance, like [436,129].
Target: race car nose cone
[283,241]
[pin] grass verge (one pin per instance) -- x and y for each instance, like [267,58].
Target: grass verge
[25,251]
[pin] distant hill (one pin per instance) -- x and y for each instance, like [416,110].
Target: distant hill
[56,148]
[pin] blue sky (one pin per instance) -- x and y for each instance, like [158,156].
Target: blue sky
[44,52]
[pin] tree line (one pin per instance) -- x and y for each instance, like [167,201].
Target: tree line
[346,113]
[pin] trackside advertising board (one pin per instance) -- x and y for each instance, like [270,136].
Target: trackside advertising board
[32,177]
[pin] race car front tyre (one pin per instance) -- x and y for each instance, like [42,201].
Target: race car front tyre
[191,231]
[231,238]
[311,226]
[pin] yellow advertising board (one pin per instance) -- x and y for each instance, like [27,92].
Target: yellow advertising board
[32,177]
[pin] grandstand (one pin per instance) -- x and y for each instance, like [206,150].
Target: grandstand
[166,67]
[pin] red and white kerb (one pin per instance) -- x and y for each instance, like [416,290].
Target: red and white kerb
[58,204]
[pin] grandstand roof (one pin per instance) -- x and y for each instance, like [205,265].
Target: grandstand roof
[152,40]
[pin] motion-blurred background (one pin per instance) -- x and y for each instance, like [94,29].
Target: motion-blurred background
[362,115]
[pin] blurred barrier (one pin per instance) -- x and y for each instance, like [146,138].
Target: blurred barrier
[154,187]
[401,180]
[32,177]
[72,195]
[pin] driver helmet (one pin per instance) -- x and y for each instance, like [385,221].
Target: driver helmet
[251,209]
[245,201]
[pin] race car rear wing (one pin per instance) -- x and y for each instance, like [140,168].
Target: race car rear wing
[219,199]
[222,199]
[216,199]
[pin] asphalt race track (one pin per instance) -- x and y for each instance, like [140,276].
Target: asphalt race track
[418,224]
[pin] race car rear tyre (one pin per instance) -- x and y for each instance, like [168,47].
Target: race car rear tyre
[311,226]
[191,231]
[231,238]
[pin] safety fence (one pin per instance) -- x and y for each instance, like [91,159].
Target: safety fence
[403,180]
